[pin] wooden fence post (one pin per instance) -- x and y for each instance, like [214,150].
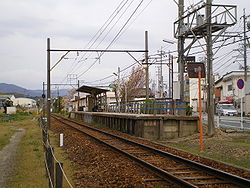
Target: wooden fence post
[59,175]
[50,162]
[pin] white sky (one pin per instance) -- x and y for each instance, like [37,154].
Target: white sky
[25,25]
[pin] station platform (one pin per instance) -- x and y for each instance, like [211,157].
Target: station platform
[147,126]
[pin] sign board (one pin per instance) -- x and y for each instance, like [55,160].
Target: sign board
[240,84]
[189,58]
[192,69]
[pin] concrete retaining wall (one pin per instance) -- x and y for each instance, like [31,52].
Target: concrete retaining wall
[146,126]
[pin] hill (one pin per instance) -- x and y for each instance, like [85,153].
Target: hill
[22,92]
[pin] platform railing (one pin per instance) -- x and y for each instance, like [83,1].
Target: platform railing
[154,106]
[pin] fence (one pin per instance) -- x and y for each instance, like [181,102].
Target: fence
[55,172]
[6,117]
[233,122]
[155,106]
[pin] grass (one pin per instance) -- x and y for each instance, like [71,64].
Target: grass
[30,169]
[5,134]
[63,158]
[234,150]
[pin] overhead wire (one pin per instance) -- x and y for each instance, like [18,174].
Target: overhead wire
[113,38]
[112,28]
[103,27]
[117,12]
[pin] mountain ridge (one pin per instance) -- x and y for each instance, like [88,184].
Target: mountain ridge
[20,91]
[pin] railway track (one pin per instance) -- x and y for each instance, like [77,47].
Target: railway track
[178,170]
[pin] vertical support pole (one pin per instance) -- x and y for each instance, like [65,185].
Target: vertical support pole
[43,96]
[245,55]
[210,98]
[126,98]
[59,175]
[146,61]
[118,89]
[200,109]
[169,75]
[245,46]
[50,162]
[78,95]
[48,84]
[181,57]
[161,77]
[241,110]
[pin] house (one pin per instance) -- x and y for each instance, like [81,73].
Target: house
[227,91]
[25,102]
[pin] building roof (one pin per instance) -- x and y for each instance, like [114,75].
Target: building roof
[231,74]
[91,90]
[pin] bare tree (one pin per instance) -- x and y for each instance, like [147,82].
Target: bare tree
[133,85]
[66,99]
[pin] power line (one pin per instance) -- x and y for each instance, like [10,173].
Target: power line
[114,38]
[102,29]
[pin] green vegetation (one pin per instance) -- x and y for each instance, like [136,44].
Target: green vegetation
[5,134]
[30,170]
[233,149]
[63,158]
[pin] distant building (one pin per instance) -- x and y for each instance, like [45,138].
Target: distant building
[25,102]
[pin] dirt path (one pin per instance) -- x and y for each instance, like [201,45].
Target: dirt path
[7,157]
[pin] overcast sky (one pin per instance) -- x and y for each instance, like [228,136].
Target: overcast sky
[26,24]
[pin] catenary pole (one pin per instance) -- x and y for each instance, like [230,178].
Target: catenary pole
[245,46]
[48,84]
[210,97]
[181,40]
[146,61]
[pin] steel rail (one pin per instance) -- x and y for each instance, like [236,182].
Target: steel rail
[159,172]
[239,181]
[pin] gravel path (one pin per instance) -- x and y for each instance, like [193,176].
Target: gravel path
[7,157]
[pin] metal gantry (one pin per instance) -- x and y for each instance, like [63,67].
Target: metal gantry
[203,21]
[49,69]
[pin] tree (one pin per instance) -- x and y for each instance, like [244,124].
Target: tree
[57,105]
[130,88]
[67,99]
[7,103]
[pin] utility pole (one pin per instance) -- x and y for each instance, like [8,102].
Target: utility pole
[245,46]
[146,61]
[118,88]
[181,40]
[210,97]
[161,77]
[171,75]
[43,96]
[48,84]
[78,95]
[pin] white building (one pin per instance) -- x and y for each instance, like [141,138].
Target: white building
[226,88]
[24,102]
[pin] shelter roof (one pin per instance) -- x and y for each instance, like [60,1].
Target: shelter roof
[91,90]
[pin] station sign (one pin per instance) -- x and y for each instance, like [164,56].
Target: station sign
[192,69]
